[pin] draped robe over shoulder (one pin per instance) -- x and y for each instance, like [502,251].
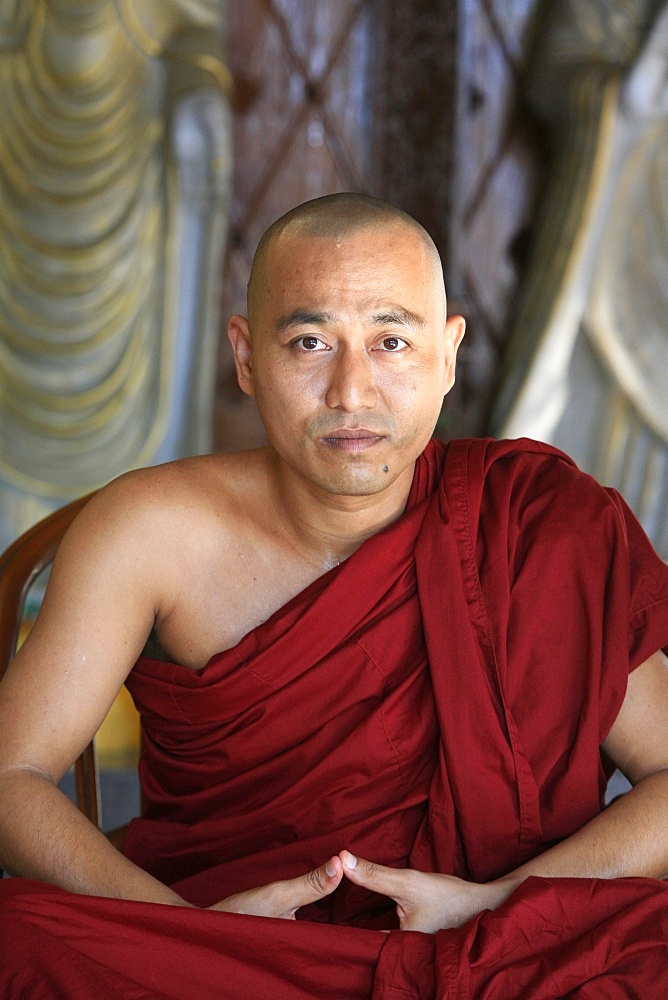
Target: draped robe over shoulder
[436,702]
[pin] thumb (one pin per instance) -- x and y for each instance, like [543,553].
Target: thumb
[314,885]
[377,878]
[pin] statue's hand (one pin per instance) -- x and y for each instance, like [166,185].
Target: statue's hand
[645,91]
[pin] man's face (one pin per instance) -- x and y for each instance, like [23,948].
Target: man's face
[350,355]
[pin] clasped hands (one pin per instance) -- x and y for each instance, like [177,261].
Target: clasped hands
[425,901]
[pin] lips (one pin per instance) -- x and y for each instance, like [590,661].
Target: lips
[352,439]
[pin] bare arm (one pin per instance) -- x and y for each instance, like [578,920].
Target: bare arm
[118,570]
[629,838]
[99,608]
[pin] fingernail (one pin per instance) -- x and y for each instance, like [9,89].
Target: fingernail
[351,860]
[330,869]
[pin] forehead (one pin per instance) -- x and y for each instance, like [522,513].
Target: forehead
[366,261]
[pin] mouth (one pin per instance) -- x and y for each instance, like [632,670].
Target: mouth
[352,439]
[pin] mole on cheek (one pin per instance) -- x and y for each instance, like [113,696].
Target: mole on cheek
[386,468]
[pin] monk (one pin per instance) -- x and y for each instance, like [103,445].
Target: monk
[382,681]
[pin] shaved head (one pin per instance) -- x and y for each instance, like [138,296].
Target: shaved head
[334,216]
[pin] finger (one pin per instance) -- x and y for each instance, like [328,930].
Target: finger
[387,881]
[314,885]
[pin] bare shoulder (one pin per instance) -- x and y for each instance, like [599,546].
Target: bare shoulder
[147,504]
[150,552]
[154,529]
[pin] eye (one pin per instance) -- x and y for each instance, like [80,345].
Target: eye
[392,344]
[309,344]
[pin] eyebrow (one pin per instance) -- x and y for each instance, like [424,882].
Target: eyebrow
[397,316]
[304,317]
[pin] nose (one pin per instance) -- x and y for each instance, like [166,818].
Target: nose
[351,384]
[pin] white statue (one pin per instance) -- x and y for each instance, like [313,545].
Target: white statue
[588,364]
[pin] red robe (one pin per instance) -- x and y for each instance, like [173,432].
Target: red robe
[436,702]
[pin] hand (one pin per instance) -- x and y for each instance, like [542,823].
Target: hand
[645,90]
[425,901]
[283,899]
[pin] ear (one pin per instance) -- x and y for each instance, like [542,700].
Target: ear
[455,328]
[239,337]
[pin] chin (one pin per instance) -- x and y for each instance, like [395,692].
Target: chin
[357,482]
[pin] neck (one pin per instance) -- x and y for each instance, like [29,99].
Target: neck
[327,528]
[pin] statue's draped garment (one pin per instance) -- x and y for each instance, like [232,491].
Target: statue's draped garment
[115,156]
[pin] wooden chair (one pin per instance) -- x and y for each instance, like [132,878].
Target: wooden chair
[20,565]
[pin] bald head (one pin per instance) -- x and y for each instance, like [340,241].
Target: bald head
[347,348]
[334,216]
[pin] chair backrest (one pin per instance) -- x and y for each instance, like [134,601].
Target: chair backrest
[20,565]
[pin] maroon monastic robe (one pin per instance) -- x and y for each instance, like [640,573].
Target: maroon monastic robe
[436,702]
